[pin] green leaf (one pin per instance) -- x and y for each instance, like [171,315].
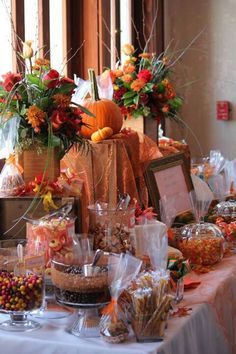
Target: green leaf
[136,100]
[43,103]
[34,80]
[83,109]
[54,141]
[23,133]
[137,113]
[23,110]
[65,88]
[147,88]
[129,94]
[128,102]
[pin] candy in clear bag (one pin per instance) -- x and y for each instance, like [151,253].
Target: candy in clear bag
[11,180]
[121,271]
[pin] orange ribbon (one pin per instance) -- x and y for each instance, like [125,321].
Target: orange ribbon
[12,160]
[110,309]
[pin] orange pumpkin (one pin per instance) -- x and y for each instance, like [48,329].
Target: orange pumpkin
[107,113]
[102,134]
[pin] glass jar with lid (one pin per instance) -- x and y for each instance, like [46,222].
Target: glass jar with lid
[112,229]
[227,210]
[202,243]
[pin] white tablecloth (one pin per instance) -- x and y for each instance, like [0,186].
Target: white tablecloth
[209,329]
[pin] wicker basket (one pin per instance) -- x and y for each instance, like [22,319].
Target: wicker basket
[35,164]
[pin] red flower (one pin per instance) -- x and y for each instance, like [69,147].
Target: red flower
[118,94]
[66,80]
[57,119]
[145,75]
[143,98]
[77,111]
[124,110]
[10,80]
[51,79]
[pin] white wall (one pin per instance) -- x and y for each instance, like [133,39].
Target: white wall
[211,62]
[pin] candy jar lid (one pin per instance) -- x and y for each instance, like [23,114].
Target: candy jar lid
[226,208]
[201,230]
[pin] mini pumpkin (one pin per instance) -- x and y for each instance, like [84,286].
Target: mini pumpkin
[102,134]
[107,113]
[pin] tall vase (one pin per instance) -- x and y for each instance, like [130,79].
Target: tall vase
[34,164]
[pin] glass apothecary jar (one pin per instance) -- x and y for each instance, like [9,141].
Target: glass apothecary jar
[112,229]
[202,244]
[227,210]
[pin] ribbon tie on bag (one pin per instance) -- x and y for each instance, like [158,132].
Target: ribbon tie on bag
[110,309]
[11,160]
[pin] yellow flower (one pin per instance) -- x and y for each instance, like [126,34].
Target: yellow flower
[127,78]
[165,82]
[115,87]
[62,101]
[128,49]
[27,50]
[138,84]
[48,201]
[35,117]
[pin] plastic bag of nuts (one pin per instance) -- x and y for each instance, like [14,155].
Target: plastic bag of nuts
[112,230]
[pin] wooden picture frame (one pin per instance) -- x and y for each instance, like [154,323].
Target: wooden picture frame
[169,179]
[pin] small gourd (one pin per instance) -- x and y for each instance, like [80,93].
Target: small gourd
[106,112]
[102,134]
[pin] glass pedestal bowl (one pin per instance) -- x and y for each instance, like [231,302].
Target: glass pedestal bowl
[21,285]
[84,288]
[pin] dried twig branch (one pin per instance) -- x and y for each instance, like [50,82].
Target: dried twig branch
[137,34]
[152,29]
[143,21]
[64,63]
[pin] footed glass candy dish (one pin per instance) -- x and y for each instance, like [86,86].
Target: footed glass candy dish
[21,285]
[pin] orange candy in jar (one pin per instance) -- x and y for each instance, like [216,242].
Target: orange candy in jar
[202,244]
[54,236]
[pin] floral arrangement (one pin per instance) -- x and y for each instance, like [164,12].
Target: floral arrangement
[40,103]
[142,86]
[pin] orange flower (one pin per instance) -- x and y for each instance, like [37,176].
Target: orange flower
[127,78]
[42,62]
[138,84]
[165,82]
[128,69]
[118,72]
[128,49]
[35,117]
[165,108]
[145,55]
[62,101]
[165,60]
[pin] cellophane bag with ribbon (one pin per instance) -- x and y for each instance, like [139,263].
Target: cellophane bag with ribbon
[150,305]
[121,271]
[11,180]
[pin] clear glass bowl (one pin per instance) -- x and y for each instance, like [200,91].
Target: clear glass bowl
[21,285]
[202,244]
[83,287]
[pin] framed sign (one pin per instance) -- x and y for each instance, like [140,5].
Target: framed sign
[169,184]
